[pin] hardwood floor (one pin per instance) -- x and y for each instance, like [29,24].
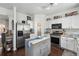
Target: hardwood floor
[18,52]
[55,51]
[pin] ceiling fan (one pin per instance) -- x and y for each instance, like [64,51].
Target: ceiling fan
[49,6]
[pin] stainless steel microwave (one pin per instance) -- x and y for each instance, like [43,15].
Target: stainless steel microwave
[57,26]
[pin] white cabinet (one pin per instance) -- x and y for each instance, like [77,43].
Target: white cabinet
[57,21]
[68,43]
[20,27]
[63,42]
[23,27]
[66,22]
[77,51]
[70,22]
[36,51]
[41,48]
[75,21]
[44,51]
[75,46]
[26,27]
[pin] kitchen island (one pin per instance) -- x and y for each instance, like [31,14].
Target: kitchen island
[39,46]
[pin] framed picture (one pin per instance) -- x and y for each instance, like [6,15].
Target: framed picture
[23,22]
[71,13]
[28,18]
[48,19]
[57,17]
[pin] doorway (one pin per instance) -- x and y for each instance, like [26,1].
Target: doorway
[4,28]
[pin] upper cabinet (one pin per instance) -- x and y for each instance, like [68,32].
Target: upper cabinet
[71,22]
[26,27]
[21,27]
[75,21]
[67,22]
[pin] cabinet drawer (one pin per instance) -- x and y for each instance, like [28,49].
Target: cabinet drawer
[44,50]
[36,51]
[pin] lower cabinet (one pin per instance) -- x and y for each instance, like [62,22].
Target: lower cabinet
[68,43]
[75,47]
[36,51]
[63,42]
[77,51]
[41,48]
[44,50]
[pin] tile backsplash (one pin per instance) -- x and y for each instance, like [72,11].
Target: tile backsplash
[71,31]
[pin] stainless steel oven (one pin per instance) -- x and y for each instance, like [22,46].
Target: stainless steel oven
[55,36]
[55,39]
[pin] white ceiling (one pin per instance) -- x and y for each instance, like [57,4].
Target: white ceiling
[35,8]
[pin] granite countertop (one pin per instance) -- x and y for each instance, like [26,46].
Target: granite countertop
[38,40]
[71,35]
[76,37]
